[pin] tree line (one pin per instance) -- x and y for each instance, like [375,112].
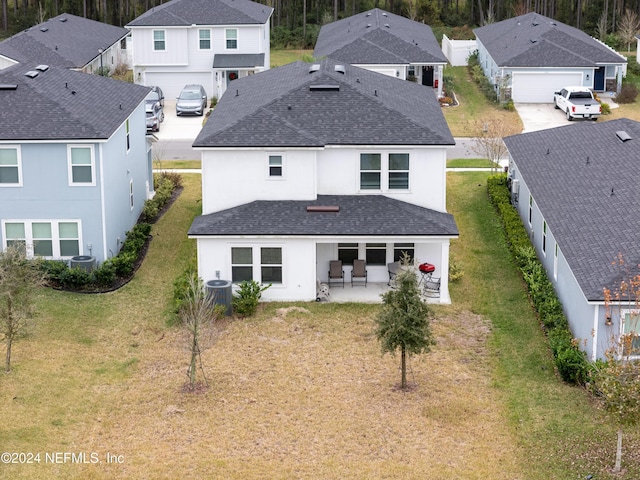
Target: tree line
[295,23]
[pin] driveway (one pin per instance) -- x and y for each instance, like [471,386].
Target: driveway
[185,127]
[540,116]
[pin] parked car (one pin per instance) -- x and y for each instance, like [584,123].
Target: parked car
[192,99]
[577,102]
[155,115]
[155,95]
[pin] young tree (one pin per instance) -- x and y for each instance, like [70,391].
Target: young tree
[198,314]
[403,321]
[19,279]
[489,144]
[628,26]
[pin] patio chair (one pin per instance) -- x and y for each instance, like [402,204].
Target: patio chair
[359,271]
[336,273]
[394,269]
[432,287]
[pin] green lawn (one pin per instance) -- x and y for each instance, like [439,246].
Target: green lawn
[301,390]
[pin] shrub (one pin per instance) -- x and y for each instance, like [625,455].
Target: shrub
[605,108]
[76,278]
[124,263]
[509,105]
[245,301]
[455,271]
[105,274]
[628,93]
[53,269]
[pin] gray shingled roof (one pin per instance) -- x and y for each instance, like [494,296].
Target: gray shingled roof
[533,40]
[587,190]
[67,41]
[362,215]
[61,104]
[378,37]
[279,108]
[238,60]
[204,12]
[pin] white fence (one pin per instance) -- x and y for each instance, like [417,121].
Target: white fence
[457,51]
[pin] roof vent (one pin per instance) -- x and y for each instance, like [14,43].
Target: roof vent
[31,74]
[623,136]
[535,23]
[340,69]
[44,29]
[326,88]
[368,14]
[8,86]
[533,40]
[42,68]
[323,208]
[384,14]
[314,68]
[63,19]
[387,25]
[368,25]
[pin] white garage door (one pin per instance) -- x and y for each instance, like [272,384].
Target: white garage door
[172,83]
[538,87]
[389,72]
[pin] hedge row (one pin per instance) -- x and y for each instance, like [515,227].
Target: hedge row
[570,361]
[116,270]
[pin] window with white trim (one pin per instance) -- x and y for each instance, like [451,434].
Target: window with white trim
[398,171]
[10,167]
[347,252]
[271,265]
[376,254]
[204,39]
[276,167]
[530,209]
[544,237]
[231,38]
[370,171]
[630,333]
[47,239]
[131,203]
[81,165]
[555,262]
[159,40]
[128,130]
[401,248]
[241,264]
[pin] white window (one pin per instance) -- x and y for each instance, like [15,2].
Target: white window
[271,265]
[555,263]
[131,203]
[398,171]
[81,165]
[128,134]
[241,264]
[347,252]
[159,41]
[376,254]
[544,237]
[10,167]
[370,171]
[204,39]
[399,249]
[630,333]
[275,166]
[264,264]
[44,238]
[231,36]
[530,209]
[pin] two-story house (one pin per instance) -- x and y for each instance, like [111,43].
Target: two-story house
[308,163]
[206,42]
[68,41]
[75,163]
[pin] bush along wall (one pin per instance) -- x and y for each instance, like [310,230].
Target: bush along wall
[118,270]
[570,361]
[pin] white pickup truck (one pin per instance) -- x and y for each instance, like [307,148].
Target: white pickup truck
[577,102]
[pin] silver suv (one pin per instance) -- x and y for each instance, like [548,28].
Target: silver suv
[192,99]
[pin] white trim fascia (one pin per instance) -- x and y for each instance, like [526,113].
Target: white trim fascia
[68,140]
[326,147]
[330,238]
[103,206]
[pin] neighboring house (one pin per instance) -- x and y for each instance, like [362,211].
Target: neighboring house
[70,42]
[385,43]
[575,189]
[206,42]
[305,163]
[75,163]
[529,57]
